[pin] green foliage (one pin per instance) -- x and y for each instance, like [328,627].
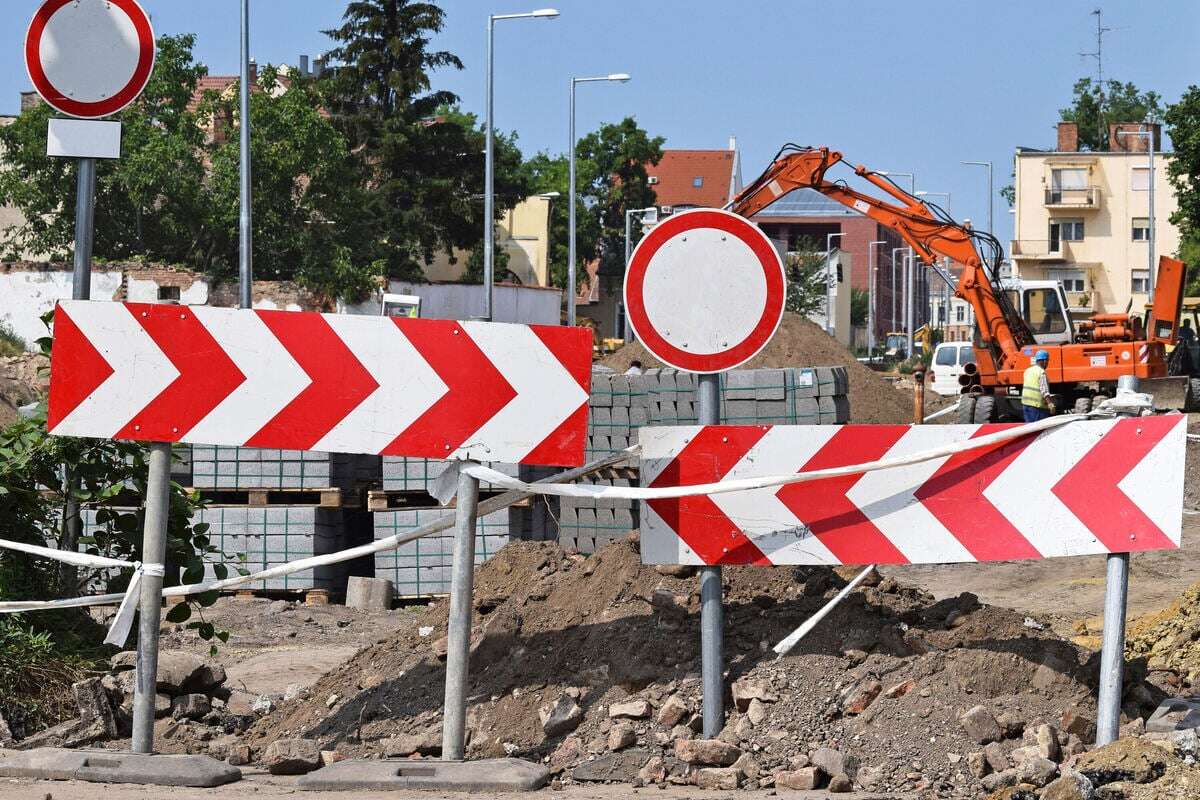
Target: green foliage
[806,278]
[149,202]
[860,301]
[610,177]
[1183,170]
[10,343]
[36,676]
[420,159]
[1094,107]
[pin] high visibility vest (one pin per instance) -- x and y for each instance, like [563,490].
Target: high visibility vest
[1031,389]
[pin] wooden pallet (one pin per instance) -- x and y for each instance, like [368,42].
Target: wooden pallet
[405,499]
[332,497]
[310,597]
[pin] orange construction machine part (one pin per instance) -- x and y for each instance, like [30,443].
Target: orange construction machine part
[1114,347]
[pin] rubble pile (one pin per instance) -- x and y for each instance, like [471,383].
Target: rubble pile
[1170,640]
[190,709]
[591,665]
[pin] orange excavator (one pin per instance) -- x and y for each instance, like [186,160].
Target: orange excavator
[1085,359]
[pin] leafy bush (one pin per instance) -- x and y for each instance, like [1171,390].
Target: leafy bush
[10,343]
[36,676]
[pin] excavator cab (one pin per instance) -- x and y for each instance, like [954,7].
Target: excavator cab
[1043,306]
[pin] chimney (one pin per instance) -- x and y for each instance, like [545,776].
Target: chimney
[1130,143]
[253,72]
[303,66]
[1068,137]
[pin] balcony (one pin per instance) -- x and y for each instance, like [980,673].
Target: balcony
[1039,250]
[1084,199]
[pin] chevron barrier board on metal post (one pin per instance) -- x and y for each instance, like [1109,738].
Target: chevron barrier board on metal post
[298,380]
[1087,487]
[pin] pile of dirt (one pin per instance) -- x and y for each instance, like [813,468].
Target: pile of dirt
[592,666]
[1170,639]
[801,343]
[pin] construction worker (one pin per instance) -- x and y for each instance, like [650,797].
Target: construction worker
[1035,393]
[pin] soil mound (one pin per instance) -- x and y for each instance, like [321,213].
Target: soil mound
[801,343]
[1170,639]
[613,646]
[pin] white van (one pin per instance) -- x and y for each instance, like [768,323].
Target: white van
[948,361]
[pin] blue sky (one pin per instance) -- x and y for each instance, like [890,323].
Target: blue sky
[914,87]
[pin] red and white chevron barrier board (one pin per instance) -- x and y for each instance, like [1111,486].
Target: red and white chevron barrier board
[1087,487]
[300,380]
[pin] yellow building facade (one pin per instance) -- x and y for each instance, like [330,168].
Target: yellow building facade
[1082,218]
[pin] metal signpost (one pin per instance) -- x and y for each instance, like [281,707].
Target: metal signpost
[466,391]
[704,291]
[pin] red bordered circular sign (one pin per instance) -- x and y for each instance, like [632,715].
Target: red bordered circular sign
[89,58]
[705,290]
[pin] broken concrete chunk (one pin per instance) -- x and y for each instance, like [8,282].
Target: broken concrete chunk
[291,757]
[637,708]
[803,779]
[746,689]
[706,752]
[980,725]
[561,716]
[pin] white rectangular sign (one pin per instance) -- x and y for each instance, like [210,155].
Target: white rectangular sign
[83,138]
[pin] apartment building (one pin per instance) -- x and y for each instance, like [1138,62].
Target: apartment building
[1083,218]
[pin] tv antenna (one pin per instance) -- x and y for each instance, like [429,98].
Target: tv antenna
[1099,56]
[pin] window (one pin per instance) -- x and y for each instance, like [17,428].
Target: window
[1068,184]
[697,181]
[960,315]
[945,356]
[966,354]
[1072,280]
[168,293]
[1141,229]
[1139,179]
[1043,312]
[1139,281]
[1065,230]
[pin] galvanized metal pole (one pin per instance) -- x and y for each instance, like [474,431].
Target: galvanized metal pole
[154,550]
[245,236]
[712,613]
[458,637]
[489,274]
[81,289]
[1112,648]
[909,287]
[85,214]
[894,251]
[570,288]
[871,301]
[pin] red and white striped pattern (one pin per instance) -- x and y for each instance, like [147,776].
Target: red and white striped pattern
[1087,487]
[331,382]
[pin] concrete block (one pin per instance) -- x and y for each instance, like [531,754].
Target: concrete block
[739,384]
[739,412]
[841,406]
[826,405]
[109,766]
[825,381]
[805,382]
[772,411]
[486,775]
[369,594]
[770,384]
[807,407]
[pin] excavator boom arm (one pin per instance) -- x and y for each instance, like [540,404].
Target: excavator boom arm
[930,237]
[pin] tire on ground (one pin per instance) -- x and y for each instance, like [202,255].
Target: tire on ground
[966,409]
[985,410]
[1193,399]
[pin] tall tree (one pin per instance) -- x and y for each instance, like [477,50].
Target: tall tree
[421,159]
[1183,170]
[1093,107]
[610,167]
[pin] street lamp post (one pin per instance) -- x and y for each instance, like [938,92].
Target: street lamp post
[912,179]
[1150,201]
[489,176]
[894,251]
[872,273]
[829,237]
[245,240]
[991,192]
[617,77]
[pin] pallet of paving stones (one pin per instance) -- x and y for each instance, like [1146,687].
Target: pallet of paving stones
[422,567]
[236,468]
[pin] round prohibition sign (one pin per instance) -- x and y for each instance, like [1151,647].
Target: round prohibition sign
[705,290]
[89,58]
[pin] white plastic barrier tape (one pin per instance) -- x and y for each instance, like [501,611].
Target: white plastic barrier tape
[766,481]
[489,506]
[942,412]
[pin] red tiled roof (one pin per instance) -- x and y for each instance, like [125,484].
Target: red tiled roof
[215,83]
[677,173]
